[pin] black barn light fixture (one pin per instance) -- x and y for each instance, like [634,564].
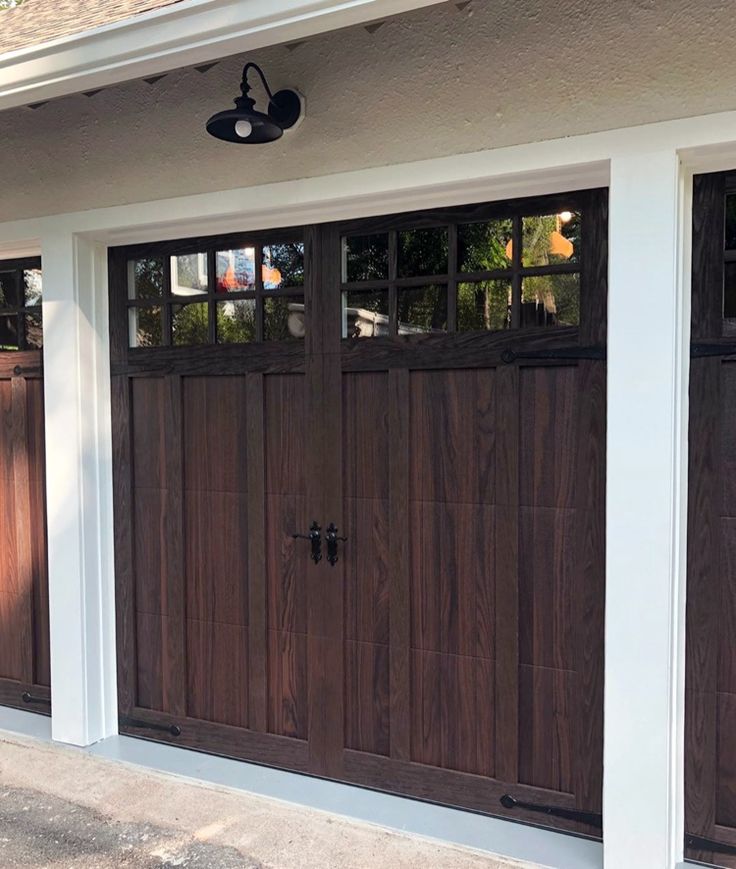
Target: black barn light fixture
[247,126]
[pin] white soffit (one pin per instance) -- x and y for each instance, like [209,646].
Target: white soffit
[183,34]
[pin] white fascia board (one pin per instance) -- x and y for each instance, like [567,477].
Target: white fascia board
[183,34]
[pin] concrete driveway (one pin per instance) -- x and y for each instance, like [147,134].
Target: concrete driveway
[64,809]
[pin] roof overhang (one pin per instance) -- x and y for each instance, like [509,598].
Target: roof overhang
[183,34]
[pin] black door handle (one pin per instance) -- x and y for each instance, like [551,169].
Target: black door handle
[315,539]
[332,539]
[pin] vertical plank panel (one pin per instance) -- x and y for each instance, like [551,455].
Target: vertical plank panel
[507,574]
[399,568]
[256,458]
[23,548]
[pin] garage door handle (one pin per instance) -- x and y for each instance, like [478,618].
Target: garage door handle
[315,538]
[332,541]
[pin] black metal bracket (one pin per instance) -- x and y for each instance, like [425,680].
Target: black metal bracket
[315,538]
[564,353]
[698,843]
[590,818]
[701,351]
[171,729]
[27,697]
[332,540]
[18,370]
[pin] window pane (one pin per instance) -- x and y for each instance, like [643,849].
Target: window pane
[145,278]
[283,318]
[423,252]
[33,331]
[365,258]
[283,265]
[144,327]
[190,324]
[236,321]
[9,290]
[483,247]
[236,270]
[551,238]
[729,292]
[189,274]
[485,305]
[32,283]
[550,300]
[423,310]
[365,315]
[8,332]
[731,222]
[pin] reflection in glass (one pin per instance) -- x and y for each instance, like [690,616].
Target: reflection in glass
[9,290]
[550,300]
[144,327]
[236,270]
[146,278]
[549,239]
[9,333]
[283,265]
[423,309]
[189,274]
[484,305]
[365,314]
[33,285]
[423,252]
[365,258]
[484,247]
[729,292]
[33,331]
[190,324]
[283,318]
[236,321]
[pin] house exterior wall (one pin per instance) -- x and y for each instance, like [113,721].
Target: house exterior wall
[435,82]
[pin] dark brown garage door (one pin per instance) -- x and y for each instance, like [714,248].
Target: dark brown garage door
[710,740]
[424,395]
[24,630]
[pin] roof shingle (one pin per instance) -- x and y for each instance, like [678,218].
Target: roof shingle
[38,21]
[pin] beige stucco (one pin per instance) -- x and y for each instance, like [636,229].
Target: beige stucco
[429,83]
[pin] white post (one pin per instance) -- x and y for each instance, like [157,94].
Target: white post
[648,365]
[78,488]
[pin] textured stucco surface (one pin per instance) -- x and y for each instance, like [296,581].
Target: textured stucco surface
[429,83]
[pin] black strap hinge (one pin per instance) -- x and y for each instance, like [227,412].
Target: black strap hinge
[27,697]
[564,353]
[171,729]
[591,818]
[698,843]
[701,351]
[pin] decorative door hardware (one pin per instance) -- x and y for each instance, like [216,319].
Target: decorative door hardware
[171,729]
[27,697]
[590,818]
[699,351]
[332,541]
[572,353]
[315,538]
[698,843]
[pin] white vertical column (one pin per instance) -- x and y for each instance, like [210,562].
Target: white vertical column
[79,488]
[648,365]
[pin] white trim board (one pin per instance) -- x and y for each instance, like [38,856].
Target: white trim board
[183,34]
[492,835]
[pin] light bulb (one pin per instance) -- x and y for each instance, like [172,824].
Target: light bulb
[243,129]
[566,216]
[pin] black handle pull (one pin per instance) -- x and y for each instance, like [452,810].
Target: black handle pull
[315,539]
[332,540]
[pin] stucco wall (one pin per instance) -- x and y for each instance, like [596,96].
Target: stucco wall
[426,84]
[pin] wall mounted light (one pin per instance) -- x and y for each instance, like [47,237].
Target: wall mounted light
[247,126]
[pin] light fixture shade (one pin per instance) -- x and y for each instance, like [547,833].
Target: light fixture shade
[284,110]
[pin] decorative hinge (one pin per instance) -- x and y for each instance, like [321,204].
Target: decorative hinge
[27,697]
[570,353]
[590,818]
[700,351]
[171,729]
[698,843]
